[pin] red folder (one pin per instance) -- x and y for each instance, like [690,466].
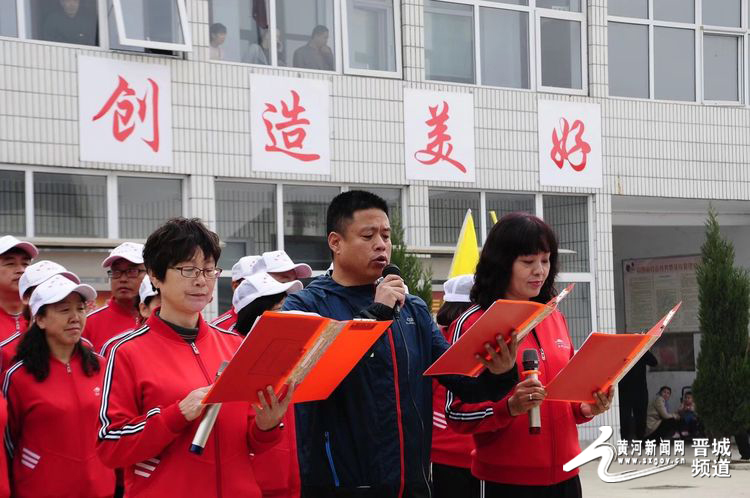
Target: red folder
[602,361]
[313,351]
[502,318]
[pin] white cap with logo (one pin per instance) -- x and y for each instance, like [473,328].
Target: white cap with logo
[279,261]
[39,272]
[55,289]
[130,251]
[458,289]
[246,266]
[146,289]
[8,242]
[259,285]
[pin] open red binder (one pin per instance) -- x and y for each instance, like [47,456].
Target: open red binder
[602,361]
[313,351]
[503,317]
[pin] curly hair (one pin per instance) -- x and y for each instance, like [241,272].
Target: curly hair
[516,234]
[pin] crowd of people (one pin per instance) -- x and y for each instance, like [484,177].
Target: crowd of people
[107,402]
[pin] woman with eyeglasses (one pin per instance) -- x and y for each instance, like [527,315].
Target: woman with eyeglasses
[53,390]
[157,376]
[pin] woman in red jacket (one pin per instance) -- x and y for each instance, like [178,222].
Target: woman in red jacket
[519,262]
[277,469]
[157,376]
[53,390]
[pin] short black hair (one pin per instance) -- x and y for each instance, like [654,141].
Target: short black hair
[178,240]
[516,234]
[342,208]
[217,29]
[14,251]
[661,389]
[449,312]
[319,30]
[247,315]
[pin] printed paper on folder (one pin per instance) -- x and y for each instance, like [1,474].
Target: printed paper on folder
[312,351]
[603,361]
[502,318]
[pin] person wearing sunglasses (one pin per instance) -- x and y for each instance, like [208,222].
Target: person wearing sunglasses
[157,376]
[125,270]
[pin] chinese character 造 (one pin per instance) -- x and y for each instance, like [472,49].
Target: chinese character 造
[440,148]
[127,107]
[701,467]
[291,128]
[701,447]
[622,447]
[560,151]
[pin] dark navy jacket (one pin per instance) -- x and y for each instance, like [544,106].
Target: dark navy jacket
[379,419]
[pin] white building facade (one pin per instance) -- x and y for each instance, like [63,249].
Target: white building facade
[87,161]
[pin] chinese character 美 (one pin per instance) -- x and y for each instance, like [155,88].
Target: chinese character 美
[650,447]
[291,128]
[722,447]
[701,467]
[701,447]
[721,468]
[127,107]
[637,446]
[665,447]
[440,148]
[622,447]
[679,447]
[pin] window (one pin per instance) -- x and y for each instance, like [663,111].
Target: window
[447,213]
[392,198]
[9,20]
[569,218]
[371,44]
[150,24]
[63,21]
[305,237]
[145,203]
[660,49]
[534,44]
[70,205]
[12,203]
[503,204]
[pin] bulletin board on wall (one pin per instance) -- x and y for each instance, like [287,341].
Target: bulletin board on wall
[652,287]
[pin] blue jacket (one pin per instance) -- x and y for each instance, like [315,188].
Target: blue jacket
[375,429]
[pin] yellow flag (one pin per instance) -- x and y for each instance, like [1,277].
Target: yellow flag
[466,257]
[493,217]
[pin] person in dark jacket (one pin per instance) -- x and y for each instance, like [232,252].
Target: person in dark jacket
[372,436]
[634,399]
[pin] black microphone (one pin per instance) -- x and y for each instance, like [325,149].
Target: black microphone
[392,269]
[531,369]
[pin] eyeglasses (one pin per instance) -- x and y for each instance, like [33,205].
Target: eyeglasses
[130,273]
[194,272]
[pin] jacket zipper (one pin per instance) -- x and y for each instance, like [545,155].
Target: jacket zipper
[398,414]
[330,460]
[217,451]
[551,426]
[77,398]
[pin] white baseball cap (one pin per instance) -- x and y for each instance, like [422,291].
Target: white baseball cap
[279,261]
[245,267]
[8,242]
[39,272]
[55,289]
[130,251]
[259,285]
[458,289]
[146,289]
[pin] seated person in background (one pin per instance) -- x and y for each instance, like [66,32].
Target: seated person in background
[316,54]
[660,424]
[70,24]
[688,417]
[217,35]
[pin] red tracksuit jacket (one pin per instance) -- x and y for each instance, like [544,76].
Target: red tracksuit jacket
[505,452]
[227,321]
[277,469]
[142,429]
[52,432]
[448,446]
[11,326]
[4,484]
[108,321]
